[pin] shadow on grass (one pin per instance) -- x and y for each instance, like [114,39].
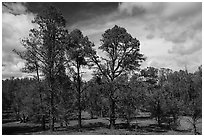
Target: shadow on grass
[133,127]
[154,128]
[159,129]
[15,129]
[87,127]
[183,131]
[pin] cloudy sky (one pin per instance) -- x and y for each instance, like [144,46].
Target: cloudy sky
[170,33]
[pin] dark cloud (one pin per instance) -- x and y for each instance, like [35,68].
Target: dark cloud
[76,11]
[14,8]
[140,8]
[136,11]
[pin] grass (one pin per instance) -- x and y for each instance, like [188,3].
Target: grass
[100,127]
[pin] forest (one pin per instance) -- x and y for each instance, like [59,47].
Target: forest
[119,92]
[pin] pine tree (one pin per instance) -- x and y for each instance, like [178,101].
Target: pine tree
[122,56]
[44,50]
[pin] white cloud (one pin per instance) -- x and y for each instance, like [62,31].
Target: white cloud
[14,28]
[150,36]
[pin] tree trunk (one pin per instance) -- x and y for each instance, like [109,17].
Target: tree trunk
[159,120]
[174,121]
[174,118]
[159,113]
[43,122]
[17,115]
[112,114]
[195,131]
[52,112]
[61,123]
[101,112]
[194,127]
[79,116]
[79,95]
[41,101]
[128,121]
[24,119]
[91,114]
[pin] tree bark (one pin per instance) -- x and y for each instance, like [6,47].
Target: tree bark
[195,130]
[194,127]
[79,95]
[102,112]
[159,113]
[43,122]
[52,112]
[41,101]
[112,113]
[159,120]
[128,121]
[91,114]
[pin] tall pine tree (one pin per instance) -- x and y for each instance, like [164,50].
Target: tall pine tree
[44,50]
